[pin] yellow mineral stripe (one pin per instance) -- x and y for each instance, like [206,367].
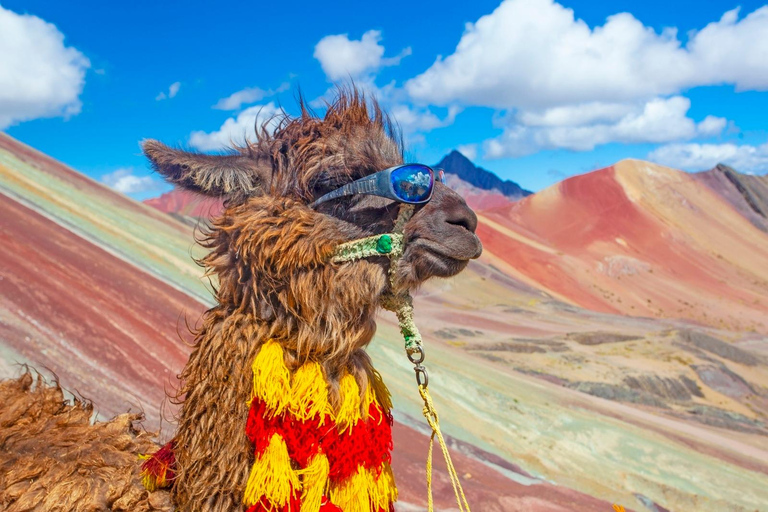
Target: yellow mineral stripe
[314,481]
[271,378]
[349,409]
[309,393]
[272,475]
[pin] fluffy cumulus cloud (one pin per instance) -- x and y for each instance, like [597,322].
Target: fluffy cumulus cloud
[535,54]
[236,130]
[341,57]
[559,83]
[583,127]
[39,75]
[697,157]
[413,120]
[173,90]
[127,182]
[247,96]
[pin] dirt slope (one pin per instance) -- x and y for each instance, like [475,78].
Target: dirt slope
[637,239]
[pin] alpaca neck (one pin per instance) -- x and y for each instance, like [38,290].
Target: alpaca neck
[214,455]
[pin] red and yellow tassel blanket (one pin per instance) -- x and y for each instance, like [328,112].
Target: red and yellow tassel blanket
[308,455]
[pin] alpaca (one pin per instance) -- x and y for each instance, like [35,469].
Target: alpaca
[280,406]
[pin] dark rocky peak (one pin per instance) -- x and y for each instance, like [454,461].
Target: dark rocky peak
[458,164]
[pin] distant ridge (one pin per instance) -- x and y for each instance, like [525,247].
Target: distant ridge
[458,164]
[747,193]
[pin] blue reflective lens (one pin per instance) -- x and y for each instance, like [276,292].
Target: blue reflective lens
[412,183]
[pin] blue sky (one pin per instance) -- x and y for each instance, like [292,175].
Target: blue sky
[534,90]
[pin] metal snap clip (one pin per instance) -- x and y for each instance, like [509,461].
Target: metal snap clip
[422,378]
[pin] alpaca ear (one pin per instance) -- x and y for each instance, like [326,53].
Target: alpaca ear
[234,176]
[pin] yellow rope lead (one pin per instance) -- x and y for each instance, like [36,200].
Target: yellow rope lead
[431,415]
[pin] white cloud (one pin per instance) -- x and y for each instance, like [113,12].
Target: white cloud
[732,51]
[125,181]
[341,57]
[246,96]
[576,115]
[697,157]
[173,90]
[361,60]
[535,54]
[582,127]
[236,130]
[39,76]
[413,119]
[468,150]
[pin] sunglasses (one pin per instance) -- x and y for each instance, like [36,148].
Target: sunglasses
[409,183]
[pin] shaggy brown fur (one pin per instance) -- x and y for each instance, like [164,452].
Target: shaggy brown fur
[271,256]
[81,466]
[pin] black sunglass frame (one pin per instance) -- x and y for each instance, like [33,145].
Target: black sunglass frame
[379,184]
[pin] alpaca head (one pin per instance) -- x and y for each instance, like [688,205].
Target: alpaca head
[271,252]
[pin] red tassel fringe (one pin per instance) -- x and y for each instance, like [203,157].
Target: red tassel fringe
[368,443]
[159,470]
[295,506]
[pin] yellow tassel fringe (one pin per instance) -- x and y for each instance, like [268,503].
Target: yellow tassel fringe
[272,475]
[379,389]
[309,393]
[314,480]
[349,409]
[384,490]
[271,378]
[352,494]
[305,395]
[364,491]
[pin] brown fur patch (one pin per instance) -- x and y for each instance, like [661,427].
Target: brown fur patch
[236,176]
[53,458]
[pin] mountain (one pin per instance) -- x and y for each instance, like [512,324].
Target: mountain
[456,163]
[92,285]
[748,194]
[186,206]
[546,405]
[637,239]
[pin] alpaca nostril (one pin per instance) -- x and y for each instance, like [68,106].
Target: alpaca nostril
[466,219]
[461,222]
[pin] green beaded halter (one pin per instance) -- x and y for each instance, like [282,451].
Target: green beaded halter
[390,245]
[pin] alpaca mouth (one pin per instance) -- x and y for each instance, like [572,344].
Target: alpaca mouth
[434,259]
[468,248]
[441,265]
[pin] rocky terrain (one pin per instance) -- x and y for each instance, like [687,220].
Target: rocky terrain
[748,194]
